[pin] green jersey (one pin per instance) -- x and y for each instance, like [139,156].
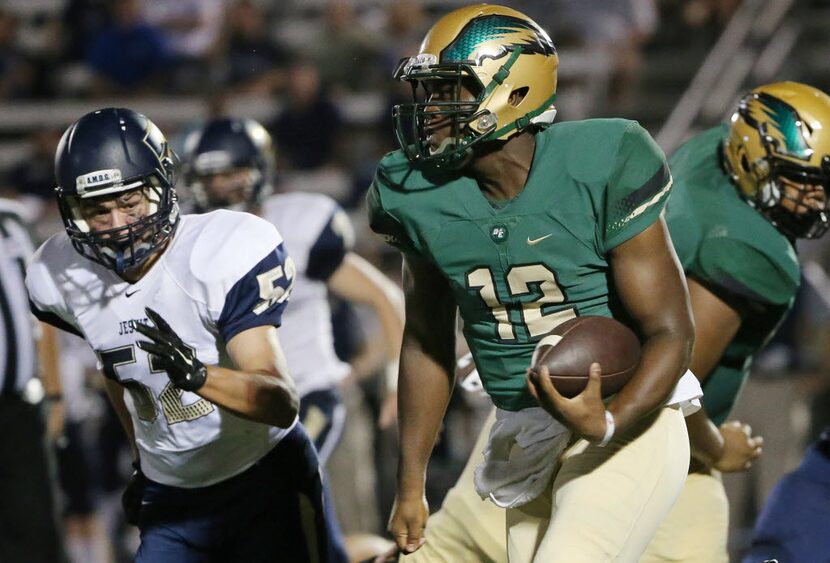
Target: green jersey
[521,267]
[724,242]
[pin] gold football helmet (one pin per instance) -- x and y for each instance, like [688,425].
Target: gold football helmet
[779,146]
[503,58]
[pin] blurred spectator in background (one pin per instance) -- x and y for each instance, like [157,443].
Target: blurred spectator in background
[616,29]
[82,19]
[307,127]
[33,176]
[698,13]
[192,29]
[16,73]
[255,63]
[345,51]
[404,29]
[33,182]
[127,54]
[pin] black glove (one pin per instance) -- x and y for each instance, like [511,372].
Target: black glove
[133,494]
[171,354]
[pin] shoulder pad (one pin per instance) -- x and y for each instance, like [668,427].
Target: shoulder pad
[227,244]
[591,146]
[760,268]
[49,262]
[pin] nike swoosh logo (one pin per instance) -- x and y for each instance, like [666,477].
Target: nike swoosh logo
[532,241]
[128,294]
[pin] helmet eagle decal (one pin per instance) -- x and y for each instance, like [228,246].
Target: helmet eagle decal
[493,37]
[780,121]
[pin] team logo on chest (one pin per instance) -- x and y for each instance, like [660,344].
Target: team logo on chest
[499,233]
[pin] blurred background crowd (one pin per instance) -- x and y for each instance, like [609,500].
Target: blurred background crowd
[317,74]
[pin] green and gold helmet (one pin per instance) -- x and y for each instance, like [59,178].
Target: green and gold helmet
[781,130]
[499,55]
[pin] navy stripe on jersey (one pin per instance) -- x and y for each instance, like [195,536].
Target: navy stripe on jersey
[260,296]
[328,251]
[54,320]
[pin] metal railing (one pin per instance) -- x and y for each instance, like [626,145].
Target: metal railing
[753,45]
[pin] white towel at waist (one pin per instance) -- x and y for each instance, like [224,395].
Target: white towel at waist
[524,448]
[520,457]
[686,394]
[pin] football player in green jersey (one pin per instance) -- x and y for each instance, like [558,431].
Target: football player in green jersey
[743,193]
[521,225]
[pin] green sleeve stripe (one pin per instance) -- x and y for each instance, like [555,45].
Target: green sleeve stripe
[643,207]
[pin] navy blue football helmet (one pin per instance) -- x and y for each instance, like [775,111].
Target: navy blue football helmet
[226,145]
[110,151]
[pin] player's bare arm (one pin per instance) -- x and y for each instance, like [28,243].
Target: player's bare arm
[115,392]
[132,494]
[260,389]
[652,289]
[717,320]
[358,281]
[424,383]
[48,349]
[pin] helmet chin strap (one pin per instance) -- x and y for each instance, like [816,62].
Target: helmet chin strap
[120,266]
[447,143]
[454,158]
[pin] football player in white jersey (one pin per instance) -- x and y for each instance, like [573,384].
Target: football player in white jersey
[229,164]
[182,312]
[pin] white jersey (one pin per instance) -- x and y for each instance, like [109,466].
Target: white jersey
[317,234]
[223,272]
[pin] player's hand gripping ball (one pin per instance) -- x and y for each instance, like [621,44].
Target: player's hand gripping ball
[570,349]
[171,354]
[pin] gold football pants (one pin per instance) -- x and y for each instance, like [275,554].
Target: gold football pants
[604,504]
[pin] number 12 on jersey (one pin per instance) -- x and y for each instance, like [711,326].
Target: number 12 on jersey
[529,279]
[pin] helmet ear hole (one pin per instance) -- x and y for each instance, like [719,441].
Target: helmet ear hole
[517,95]
[744,163]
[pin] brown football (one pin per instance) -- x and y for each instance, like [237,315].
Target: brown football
[570,349]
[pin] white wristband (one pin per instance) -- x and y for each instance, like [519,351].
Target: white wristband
[390,376]
[610,427]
